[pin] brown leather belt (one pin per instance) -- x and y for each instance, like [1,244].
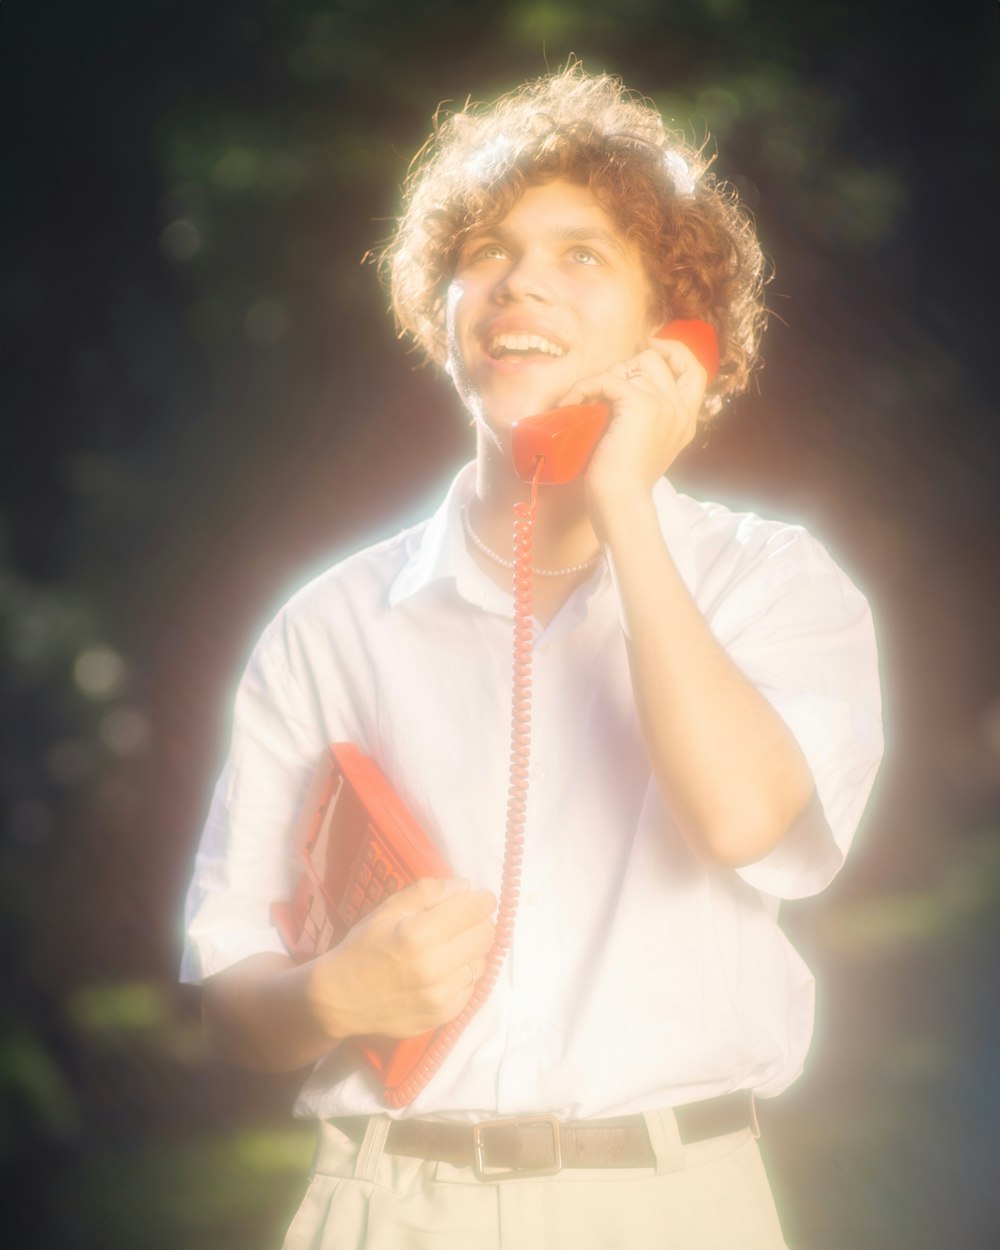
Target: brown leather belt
[540,1145]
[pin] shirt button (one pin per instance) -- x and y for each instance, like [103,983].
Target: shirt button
[533,898]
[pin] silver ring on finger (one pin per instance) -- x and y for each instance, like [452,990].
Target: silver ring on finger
[633,372]
[473,975]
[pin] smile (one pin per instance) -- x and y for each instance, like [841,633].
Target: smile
[504,346]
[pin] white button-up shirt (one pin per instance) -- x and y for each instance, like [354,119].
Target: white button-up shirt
[639,975]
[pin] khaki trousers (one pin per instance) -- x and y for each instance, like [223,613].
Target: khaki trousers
[712,1195]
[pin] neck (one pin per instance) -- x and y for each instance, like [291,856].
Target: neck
[563,534]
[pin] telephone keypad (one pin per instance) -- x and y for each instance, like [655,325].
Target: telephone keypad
[372,877]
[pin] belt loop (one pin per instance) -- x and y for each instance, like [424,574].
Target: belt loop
[665,1138]
[370,1151]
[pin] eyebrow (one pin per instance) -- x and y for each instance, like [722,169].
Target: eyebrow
[589,234]
[562,234]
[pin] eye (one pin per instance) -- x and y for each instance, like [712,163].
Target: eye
[484,250]
[584,256]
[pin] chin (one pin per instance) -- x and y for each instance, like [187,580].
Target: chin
[501,411]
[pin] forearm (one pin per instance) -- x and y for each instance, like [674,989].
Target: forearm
[729,767]
[407,967]
[258,1014]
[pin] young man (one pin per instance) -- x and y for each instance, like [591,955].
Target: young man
[705,732]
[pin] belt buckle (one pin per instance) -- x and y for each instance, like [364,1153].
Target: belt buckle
[500,1174]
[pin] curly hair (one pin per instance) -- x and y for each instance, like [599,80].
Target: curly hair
[698,245]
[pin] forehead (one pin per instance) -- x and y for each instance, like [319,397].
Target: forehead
[562,211]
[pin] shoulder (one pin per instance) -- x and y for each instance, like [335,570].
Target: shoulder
[739,537]
[741,557]
[367,574]
[342,600]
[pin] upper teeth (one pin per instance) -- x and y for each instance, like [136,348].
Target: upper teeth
[524,343]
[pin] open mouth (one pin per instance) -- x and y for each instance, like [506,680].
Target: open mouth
[522,347]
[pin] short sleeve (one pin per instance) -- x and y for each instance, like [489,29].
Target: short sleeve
[803,634]
[245,861]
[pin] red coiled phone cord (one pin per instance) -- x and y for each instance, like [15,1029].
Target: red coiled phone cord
[517,804]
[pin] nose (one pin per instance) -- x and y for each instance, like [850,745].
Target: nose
[524,278]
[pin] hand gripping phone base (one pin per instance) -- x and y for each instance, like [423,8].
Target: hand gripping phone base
[359,844]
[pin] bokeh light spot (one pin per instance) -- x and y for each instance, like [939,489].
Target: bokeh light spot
[266,1151]
[720,108]
[100,672]
[124,731]
[725,10]
[181,240]
[130,1005]
[237,170]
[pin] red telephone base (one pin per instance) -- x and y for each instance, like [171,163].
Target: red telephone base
[358,844]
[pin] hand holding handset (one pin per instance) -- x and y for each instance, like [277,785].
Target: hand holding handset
[565,438]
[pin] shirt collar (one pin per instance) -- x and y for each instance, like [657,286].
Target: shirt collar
[438,550]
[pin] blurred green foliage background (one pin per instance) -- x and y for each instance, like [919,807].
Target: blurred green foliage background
[204,402]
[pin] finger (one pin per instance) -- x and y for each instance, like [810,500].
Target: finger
[689,374]
[609,386]
[650,374]
[439,958]
[461,985]
[451,917]
[466,975]
[442,994]
[469,946]
[653,367]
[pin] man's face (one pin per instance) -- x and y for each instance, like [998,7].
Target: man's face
[551,295]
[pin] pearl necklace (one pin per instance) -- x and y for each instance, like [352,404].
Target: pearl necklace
[478,543]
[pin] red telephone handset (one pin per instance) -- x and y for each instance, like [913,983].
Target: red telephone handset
[565,438]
